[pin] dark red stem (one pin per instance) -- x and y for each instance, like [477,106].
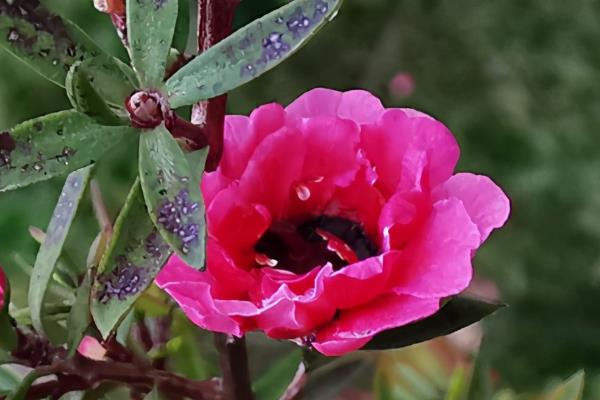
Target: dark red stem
[233,360]
[215,21]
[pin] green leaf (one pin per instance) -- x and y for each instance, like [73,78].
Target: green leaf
[9,380]
[99,87]
[173,194]
[53,145]
[457,384]
[187,352]
[134,257]
[150,29]
[154,395]
[250,52]
[50,249]
[326,382]
[456,314]
[480,385]
[20,392]
[273,384]
[79,316]
[572,389]
[45,42]
[86,99]
[183,25]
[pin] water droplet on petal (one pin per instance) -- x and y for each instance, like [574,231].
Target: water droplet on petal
[303,192]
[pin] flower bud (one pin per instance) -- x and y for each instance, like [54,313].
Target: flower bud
[148,110]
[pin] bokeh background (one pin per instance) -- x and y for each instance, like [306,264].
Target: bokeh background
[518,82]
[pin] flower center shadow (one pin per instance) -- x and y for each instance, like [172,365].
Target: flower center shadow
[299,248]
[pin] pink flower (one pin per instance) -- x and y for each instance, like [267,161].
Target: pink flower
[3,283]
[334,219]
[402,85]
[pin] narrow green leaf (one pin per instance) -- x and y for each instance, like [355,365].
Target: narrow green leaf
[99,87]
[150,29]
[20,392]
[53,145]
[45,42]
[456,314]
[572,389]
[273,384]
[134,257]
[480,385]
[187,352]
[79,316]
[173,194]
[250,52]
[50,249]
[197,162]
[457,384]
[183,26]
[326,382]
[86,99]
[9,380]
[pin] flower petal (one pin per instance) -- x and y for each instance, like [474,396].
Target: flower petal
[396,143]
[355,327]
[357,283]
[357,105]
[242,135]
[276,164]
[191,289]
[437,262]
[485,202]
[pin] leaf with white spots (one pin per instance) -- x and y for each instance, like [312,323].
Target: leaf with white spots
[134,257]
[150,29]
[172,194]
[53,145]
[45,42]
[51,248]
[250,51]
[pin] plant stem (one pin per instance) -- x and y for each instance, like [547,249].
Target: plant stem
[215,21]
[80,373]
[233,360]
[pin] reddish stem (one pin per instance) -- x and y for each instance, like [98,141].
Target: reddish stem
[215,21]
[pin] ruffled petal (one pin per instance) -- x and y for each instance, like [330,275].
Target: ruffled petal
[355,327]
[357,105]
[357,283]
[397,143]
[485,202]
[191,289]
[437,262]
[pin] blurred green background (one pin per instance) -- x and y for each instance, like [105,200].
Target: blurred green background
[518,82]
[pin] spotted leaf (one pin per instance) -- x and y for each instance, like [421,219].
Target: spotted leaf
[172,194]
[45,42]
[134,257]
[150,29]
[53,145]
[51,247]
[250,52]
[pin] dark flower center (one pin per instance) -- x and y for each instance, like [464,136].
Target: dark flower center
[301,247]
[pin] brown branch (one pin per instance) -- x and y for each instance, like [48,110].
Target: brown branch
[215,21]
[80,373]
[233,361]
